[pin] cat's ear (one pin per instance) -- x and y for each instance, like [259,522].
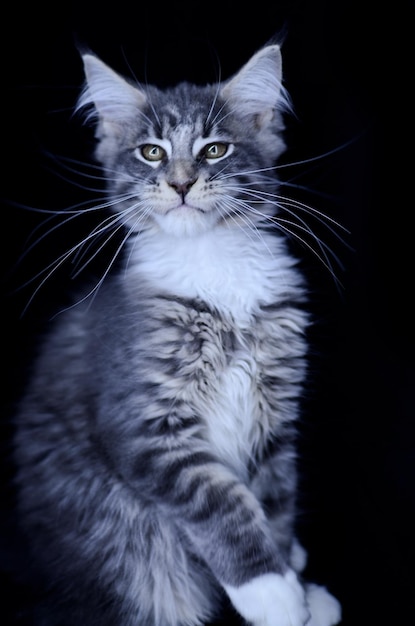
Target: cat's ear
[256,91]
[108,96]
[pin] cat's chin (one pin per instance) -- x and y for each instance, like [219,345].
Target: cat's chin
[186,221]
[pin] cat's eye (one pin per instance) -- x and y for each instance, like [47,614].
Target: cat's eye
[215,150]
[152,152]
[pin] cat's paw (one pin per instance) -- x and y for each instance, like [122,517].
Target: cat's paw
[325,609]
[271,600]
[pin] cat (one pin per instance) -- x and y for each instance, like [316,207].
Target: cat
[155,444]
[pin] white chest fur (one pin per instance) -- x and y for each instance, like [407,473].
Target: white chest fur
[231,270]
[232,416]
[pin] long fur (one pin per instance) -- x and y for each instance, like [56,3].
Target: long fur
[155,444]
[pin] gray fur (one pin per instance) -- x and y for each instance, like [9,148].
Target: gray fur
[138,510]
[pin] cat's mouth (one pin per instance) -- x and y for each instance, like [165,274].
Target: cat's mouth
[185,207]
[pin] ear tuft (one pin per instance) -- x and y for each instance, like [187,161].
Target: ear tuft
[256,90]
[107,95]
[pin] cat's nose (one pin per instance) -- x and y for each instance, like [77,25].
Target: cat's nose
[182,188]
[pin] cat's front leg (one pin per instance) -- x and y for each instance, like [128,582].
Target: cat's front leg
[271,600]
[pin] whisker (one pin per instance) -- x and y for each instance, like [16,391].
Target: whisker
[119,221]
[295,227]
[91,294]
[319,157]
[94,290]
[74,250]
[114,223]
[140,219]
[246,173]
[99,176]
[212,106]
[75,211]
[62,160]
[324,247]
[234,206]
[283,202]
[282,223]
[53,267]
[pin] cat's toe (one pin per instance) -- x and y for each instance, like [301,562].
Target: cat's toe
[325,609]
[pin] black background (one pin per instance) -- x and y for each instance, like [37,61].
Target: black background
[348,69]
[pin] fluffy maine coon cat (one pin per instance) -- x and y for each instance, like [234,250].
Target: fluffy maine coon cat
[155,444]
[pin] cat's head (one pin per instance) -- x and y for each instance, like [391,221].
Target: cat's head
[186,158]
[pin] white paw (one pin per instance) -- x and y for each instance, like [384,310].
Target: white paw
[325,609]
[271,600]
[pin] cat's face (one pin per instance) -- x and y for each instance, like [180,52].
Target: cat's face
[186,189]
[179,166]
[189,157]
